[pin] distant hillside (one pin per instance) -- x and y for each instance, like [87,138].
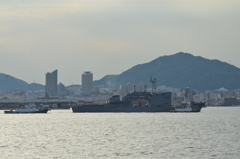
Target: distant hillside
[10,83]
[180,70]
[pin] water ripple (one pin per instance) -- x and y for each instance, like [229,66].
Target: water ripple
[212,133]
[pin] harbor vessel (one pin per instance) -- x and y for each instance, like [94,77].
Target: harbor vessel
[32,108]
[190,107]
[132,102]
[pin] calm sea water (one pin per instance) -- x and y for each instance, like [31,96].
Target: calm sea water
[212,133]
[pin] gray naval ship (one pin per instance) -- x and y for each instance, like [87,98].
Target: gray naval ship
[132,102]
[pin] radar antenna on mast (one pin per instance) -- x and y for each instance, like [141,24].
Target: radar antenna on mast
[154,82]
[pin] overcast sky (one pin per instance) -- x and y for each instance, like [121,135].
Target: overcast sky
[111,36]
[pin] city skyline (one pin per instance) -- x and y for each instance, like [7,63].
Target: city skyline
[203,73]
[109,37]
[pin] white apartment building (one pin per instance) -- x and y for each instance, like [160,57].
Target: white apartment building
[125,89]
[140,87]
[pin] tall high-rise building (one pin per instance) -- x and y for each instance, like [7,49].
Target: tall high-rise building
[51,83]
[87,83]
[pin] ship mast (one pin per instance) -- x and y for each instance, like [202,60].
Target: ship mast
[154,82]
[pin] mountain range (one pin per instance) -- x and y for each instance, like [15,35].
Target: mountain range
[10,83]
[178,70]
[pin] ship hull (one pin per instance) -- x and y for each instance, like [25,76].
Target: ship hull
[121,109]
[132,102]
[30,112]
[186,110]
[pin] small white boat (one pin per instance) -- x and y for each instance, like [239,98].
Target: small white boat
[27,109]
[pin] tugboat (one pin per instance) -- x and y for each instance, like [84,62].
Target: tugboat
[32,108]
[190,107]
